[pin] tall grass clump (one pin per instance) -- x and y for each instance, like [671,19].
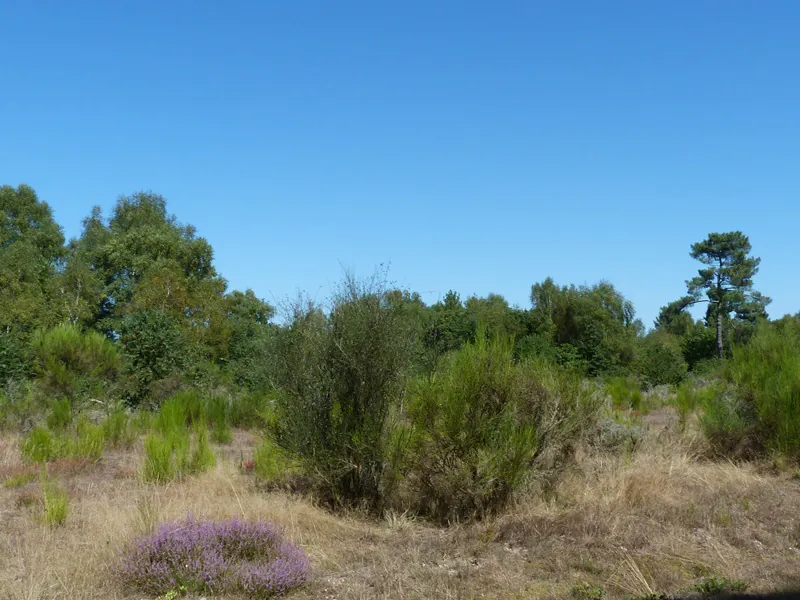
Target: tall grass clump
[177,453]
[218,413]
[482,424]
[42,445]
[343,377]
[242,558]
[118,429]
[55,503]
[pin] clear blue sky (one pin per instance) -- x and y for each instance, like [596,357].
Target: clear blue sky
[473,146]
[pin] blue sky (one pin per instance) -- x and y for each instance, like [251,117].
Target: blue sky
[475,146]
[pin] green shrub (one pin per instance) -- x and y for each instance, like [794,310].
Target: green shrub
[660,361]
[40,446]
[89,442]
[729,423]
[14,364]
[19,480]
[481,423]
[155,349]
[342,378]
[625,393]
[585,591]
[717,586]
[766,373]
[60,416]
[176,455]
[248,410]
[270,463]
[755,408]
[73,363]
[118,429]
[203,457]
[689,397]
[158,464]
[219,417]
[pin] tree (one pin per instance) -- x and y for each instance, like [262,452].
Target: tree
[251,339]
[727,280]
[451,326]
[142,260]
[594,324]
[31,247]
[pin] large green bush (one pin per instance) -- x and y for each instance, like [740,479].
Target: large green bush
[762,402]
[342,379]
[660,361]
[75,364]
[481,423]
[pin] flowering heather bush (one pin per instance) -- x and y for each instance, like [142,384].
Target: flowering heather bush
[244,557]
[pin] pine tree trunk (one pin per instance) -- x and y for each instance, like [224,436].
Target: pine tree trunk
[720,350]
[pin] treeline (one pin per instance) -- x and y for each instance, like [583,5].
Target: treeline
[148,285]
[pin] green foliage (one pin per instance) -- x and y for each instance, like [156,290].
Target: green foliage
[480,424]
[762,404]
[154,348]
[89,442]
[342,381]
[595,325]
[717,586]
[158,463]
[118,429]
[270,463]
[450,327]
[250,409]
[689,397]
[40,446]
[60,416]
[585,591]
[14,364]
[625,393]
[251,340]
[73,363]
[18,480]
[660,360]
[56,504]
[218,416]
[173,453]
[203,457]
[31,244]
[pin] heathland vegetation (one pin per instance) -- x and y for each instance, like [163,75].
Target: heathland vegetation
[153,422]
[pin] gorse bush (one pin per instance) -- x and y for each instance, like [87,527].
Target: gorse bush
[690,397]
[481,423]
[60,416]
[342,379]
[755,406]
[766,373]
[251,558]
[625,393]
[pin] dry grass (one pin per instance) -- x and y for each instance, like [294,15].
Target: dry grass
[654,521]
